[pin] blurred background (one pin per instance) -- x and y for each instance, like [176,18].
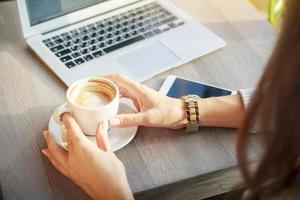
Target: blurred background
[271,9]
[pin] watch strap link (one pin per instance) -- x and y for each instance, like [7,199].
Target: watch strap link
[192,112]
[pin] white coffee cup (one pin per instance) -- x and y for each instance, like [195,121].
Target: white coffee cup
[90,101]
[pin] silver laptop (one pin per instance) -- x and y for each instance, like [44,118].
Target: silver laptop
[138,38]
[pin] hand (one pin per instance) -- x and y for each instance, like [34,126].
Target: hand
[155,109]
[96,170]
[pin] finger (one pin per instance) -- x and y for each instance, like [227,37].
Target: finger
[59,167]
[74,132]
[102,137]
[127,120]
[128,88]
[58,153]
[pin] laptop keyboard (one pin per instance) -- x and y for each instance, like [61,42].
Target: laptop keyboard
[94,40]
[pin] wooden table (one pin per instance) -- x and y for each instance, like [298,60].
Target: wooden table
[161,164]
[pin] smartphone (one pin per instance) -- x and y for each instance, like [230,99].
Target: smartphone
[177,87]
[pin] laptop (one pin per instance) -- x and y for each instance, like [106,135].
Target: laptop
[138,38]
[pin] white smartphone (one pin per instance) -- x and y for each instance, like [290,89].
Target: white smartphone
[177,87]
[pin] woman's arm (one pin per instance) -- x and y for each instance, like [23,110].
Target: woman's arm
[227,111]
[157,110]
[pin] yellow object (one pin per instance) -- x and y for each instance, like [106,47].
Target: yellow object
[276,8]
[271,9]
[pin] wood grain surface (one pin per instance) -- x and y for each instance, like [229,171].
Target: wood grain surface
[158,161]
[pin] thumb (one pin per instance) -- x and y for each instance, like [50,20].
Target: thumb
[102,137]
[127,120]
[74,132]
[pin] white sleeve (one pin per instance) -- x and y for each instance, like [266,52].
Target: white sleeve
[246,95]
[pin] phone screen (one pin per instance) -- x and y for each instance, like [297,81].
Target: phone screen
[183,87]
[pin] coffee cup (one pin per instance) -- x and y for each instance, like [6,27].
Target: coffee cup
[90,101]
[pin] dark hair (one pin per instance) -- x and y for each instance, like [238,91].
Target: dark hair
[275,108]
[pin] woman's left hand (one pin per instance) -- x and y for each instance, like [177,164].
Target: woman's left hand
[95,169]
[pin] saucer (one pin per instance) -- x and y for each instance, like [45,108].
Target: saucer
[118,137]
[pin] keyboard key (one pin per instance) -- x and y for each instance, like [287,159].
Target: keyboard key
[66,58]
[63,53]
[102,45]
[74,32]
[68,44]
[93,35]
[59,41]
[99,25]
[125,30]
[123,44]
[132,27]
[68,37]
[172,25]
[118,39]
[168,20]
[157,31]
[83,44]
[110,42]
[100,39]
[109,29]
[47,40]
[118,26]
[109,35]
[142,30]
[92,41]
[149,34]
[126,36]
[70,64]
[134,33]
[85,38]
[98,54]
[79,61]
[55,37]
[108,23]
[93,48]
[75,48]
[178,22]
[84,51]
[117,32]
[88,57]
[84,31]
[76,41]
[50,44]
[57,48]
[76,54]
[101,32]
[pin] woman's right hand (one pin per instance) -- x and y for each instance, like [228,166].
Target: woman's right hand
[154,109]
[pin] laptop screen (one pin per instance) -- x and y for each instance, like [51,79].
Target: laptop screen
[43,10]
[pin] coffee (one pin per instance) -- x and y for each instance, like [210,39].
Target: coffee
[93,94]
[92,99]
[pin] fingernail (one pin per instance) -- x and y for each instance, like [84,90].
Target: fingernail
[45,134]
[114,122]
[45,152]
[104,125]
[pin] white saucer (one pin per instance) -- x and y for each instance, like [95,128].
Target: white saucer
[118,137]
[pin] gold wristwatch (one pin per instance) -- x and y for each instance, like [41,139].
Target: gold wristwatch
[192,112]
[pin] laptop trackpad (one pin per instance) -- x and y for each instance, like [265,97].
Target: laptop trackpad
[148,60]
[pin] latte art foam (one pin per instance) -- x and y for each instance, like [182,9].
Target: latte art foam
[92,99]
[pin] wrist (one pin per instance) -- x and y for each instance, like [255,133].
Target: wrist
[178,113]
